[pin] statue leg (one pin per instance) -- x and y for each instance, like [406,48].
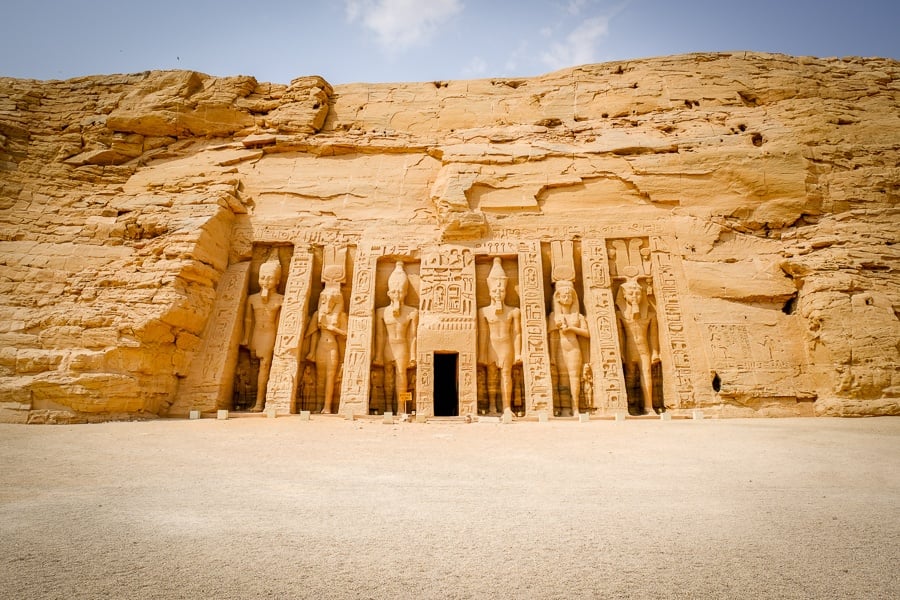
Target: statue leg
[330,372]
[400,383]
[265,363]
[646,384]
[575,390]
[492,385]
[506,388]
[390,386]
[320,386]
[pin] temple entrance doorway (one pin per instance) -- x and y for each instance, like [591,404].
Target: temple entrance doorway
[446,385]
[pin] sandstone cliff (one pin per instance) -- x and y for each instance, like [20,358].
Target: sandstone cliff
[124,199]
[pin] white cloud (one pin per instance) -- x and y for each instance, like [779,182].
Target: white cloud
[574,7]
[401,24]
[476,67]
[580,45]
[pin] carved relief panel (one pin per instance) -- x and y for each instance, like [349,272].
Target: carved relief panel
[608,381]
[282,383]
[673,327]
[445,378]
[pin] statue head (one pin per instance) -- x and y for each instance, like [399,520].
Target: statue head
[565,298]
[269,276]
[632,291]
[398,283]
[496,281]
[331,301]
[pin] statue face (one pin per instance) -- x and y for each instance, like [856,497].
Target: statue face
[327,301]
[564,295]
[632,293]
[267,280]
[396,294]
[498,290]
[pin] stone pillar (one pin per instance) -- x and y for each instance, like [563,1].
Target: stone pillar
[606,356]
[678,388]
[282,386]
[360,326]
[535,353]
[210,381]
[447,323]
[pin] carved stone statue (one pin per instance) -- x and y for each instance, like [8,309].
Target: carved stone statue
[395,335]
[639,335]
[499,338]
[587,385]
[307,388]
[261,324]
[327,331]
[565,326]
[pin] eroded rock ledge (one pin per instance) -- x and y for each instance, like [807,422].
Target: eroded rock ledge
[769,183]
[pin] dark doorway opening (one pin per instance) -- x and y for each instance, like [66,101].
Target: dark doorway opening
[446,388]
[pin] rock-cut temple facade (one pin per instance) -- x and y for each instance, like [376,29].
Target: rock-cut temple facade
[708,231]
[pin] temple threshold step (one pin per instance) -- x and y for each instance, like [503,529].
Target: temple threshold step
[462,419]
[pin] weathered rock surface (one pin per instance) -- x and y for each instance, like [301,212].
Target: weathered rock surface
[124,199]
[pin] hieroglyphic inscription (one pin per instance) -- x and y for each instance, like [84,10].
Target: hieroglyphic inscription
[535,353]
[447,323]
[606,357]
[734,346]
[285,363]
[262,232]
[424,383]
[356,379]
[444,288]
[548,233]
[210,380]
[671,324]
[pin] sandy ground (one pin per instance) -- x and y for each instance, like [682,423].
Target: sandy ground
[283,508]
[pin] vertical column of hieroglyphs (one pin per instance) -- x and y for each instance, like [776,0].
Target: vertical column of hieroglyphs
[447,316]
[357,357]
[672,326]
[210,381]
[606,357]
[285,363]
[535,354]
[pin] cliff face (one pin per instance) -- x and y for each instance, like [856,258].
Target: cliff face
[124,199]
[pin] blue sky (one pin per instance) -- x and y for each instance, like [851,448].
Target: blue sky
[418,40]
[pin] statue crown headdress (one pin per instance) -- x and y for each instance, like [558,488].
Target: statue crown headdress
[497,273]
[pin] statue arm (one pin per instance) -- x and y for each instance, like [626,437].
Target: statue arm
[483,334]
[413,335]
[341,328]
[380,335]
[552,337]
[248,323]
[582,327]
[516,318]
[312,332]
[654,340]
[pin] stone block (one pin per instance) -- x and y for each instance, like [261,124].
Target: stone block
[543,417]
[304,415]
[194,414]
[697,414]
[222,415]
[584,417]
[506,418]
[620,415]
[271,413]
[666,416]
[388,418]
